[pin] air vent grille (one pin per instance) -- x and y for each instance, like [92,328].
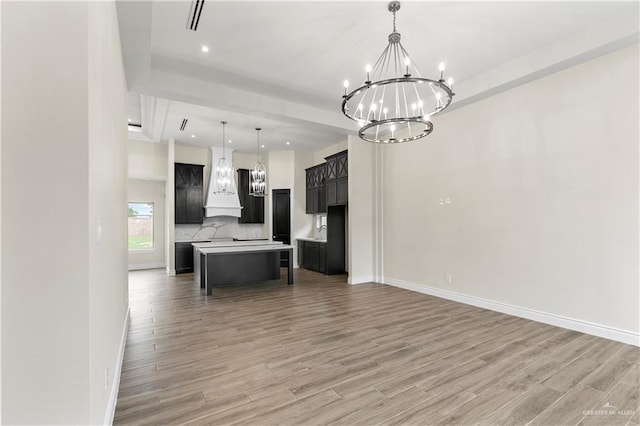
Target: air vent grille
[194,14]
[183,125]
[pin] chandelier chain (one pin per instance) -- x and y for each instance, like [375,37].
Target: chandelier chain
[394,21]
[258,139]
[224,137]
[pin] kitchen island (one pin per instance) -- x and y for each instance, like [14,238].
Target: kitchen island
[224,264]
[217,244]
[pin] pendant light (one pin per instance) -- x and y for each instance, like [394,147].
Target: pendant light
[395,103]
[224,172]
[258,174]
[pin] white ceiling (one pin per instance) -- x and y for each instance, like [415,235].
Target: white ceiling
[280,65]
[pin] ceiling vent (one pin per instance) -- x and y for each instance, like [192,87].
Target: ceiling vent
[194,14]
[183,125]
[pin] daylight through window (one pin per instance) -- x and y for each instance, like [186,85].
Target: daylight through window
[140,226]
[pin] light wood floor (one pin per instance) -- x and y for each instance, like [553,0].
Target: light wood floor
[323,352]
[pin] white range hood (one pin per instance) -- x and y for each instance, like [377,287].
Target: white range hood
[221,204]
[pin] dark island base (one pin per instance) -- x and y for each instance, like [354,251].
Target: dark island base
[227,269]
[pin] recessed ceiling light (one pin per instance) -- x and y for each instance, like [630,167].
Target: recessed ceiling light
[261,146]
[288,143]
[229,140]
[193,136]
[205,49]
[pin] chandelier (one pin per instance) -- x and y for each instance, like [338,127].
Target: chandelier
[224,171]
[395,104]
[258,175]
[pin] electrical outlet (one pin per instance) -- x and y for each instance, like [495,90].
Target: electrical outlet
[441,201]
[448,278]
[447,200]
[106,377]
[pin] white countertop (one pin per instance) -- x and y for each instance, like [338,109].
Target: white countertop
[313,239]
[242,248]
[235,243]
[196,240]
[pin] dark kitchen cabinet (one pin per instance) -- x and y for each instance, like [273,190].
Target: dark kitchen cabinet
[312,201]
[252,207]
[184,256]
[312,255]
[322,199]
[342,191]
[189,205]
[337,179]
[316,201]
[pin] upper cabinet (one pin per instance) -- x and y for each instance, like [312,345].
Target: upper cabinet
[189,205]
[337,182]
[252,207]
[316,192]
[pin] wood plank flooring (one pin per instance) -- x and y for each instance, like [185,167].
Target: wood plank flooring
[323,352]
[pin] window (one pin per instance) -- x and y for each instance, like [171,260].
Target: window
[140,226]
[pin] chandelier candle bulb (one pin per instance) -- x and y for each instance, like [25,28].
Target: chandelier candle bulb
[441,68]
[346,86]
[450,83]
[400,105]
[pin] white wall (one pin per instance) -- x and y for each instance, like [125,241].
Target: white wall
[169,210]
[194,155]
[361,217]
[0,219]
[543,183]
[108,288]
[64,301]
[147,160]
[147,191]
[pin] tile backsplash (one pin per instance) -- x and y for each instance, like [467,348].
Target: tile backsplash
[219,227]
[320,226]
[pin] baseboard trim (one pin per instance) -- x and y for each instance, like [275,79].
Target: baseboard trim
[171,272]
[362,279]
[115,386]
[599,330]
[141,266]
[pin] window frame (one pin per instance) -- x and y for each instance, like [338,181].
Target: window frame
[153,228]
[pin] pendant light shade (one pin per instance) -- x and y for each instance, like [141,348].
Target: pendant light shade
[224,172]
[258,174]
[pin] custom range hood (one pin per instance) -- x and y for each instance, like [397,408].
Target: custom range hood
[221,202]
